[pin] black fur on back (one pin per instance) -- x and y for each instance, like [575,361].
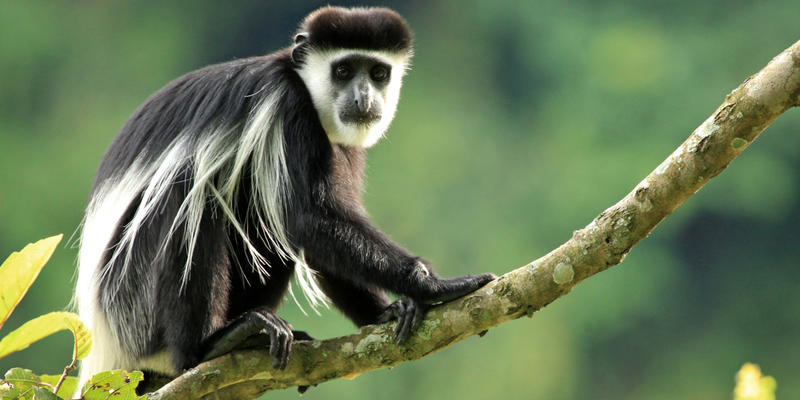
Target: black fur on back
[217,96]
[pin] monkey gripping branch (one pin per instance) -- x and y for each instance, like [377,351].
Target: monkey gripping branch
[603,243]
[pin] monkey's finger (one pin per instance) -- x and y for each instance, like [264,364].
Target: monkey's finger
[284,348]
[403,330]
[419,315]
[486,278]
[395,310]
[454,288]
[301,335]
[400,331]
[396,315]
[287,350]
[398,309]
[280,359]
[283,357]
[274,347]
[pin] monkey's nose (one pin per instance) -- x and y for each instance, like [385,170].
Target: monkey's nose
[362,98]
[362,104]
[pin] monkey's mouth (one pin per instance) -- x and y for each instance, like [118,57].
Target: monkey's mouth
[359,118]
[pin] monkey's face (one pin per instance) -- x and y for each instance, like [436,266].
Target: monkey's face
[355,92]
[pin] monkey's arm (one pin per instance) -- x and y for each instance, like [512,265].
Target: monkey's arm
[349,247]
[361,304]
[366,305]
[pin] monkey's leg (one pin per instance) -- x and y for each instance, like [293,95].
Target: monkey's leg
[189,309]
[255,329]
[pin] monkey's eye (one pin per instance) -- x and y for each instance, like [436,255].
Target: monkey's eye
[379,73]
[342,72]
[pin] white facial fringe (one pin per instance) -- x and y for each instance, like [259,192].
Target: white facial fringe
[316,76]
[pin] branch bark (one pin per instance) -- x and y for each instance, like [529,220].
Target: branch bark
[744,114]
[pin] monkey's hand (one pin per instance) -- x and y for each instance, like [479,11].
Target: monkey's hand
[408,313]
[432,288]
[429,289]
[254,326]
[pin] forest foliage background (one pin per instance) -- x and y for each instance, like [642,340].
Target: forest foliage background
[519,122]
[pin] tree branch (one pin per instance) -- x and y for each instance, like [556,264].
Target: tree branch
[744,114]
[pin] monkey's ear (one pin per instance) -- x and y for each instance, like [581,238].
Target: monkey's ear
[300,41]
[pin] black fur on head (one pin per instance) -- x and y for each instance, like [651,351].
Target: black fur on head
[352,28]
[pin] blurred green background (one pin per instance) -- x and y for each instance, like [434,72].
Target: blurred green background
[518,124]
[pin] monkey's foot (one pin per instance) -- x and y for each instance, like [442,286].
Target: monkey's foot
[408,313]
[251,329]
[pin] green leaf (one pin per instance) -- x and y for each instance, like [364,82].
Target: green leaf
[7,391]
[20,383]
[117,384]
[67,387]
[46,325]
[19,271]
[44,394]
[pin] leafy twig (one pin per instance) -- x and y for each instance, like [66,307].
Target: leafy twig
[66,372]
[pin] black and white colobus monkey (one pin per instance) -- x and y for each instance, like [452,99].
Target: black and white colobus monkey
[233,177]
